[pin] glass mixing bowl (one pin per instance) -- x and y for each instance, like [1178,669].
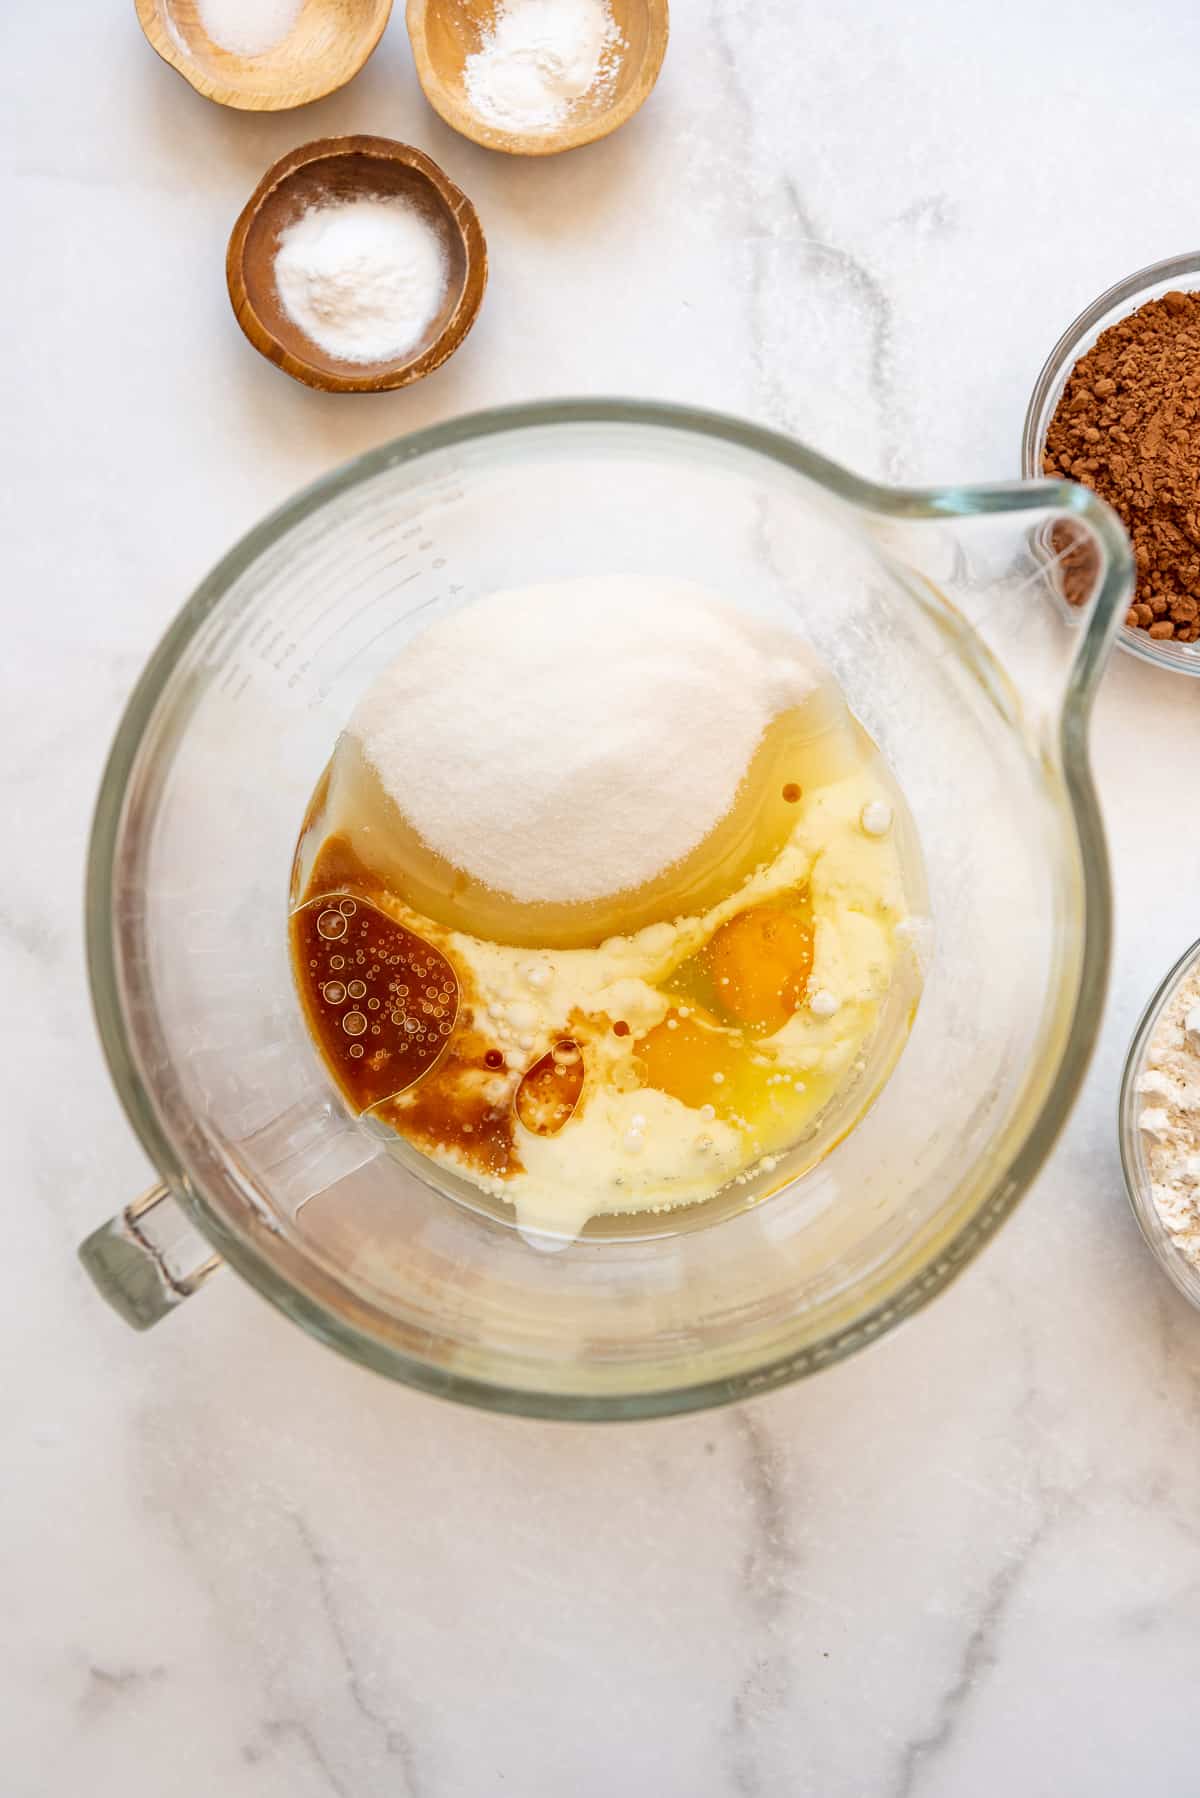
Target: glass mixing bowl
[1116,303]
[930,607]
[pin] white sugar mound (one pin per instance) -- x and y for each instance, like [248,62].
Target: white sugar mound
[569,741]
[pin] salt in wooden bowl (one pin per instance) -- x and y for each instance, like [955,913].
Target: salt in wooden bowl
[344,168]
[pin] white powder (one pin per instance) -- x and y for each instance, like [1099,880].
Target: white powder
[568,741]
[363,278]
[248,27]
[1170,1119]
[538,59]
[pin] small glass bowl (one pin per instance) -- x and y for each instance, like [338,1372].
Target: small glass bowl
[1177,272]
[1133,1157]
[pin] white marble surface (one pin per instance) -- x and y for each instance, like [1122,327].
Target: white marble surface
[966,1562]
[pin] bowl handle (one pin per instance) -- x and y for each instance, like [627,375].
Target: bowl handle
[148,1259]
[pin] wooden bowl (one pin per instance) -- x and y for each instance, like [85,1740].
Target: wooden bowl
[445,32]
[336,168]
[328,43]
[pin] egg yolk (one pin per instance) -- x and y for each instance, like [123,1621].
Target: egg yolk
[752,976]
[759,964]
[688,1056]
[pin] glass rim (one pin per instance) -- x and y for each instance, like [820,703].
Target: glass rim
[911,1290]
[1175,658]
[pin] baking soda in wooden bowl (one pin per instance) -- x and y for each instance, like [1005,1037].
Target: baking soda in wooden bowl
[539,59]
[364,278]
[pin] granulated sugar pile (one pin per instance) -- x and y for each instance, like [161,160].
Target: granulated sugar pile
[248,27]
[543,739]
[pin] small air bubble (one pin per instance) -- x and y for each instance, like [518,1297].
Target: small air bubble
[337,962]
[333,992]
[356,1050]
[354,1023]
[331,925]
[347,908]
[372,1004]
[356,989]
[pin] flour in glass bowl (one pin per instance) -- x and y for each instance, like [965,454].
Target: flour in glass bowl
[539,59]
[1169,1120]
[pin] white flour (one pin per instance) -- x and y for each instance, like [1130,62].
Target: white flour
[363,278]
[542,738]
[538,59]
[248,27]
[1170,1119]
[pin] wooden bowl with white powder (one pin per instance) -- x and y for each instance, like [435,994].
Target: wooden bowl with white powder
[264,55]
[534,77]
[356,265]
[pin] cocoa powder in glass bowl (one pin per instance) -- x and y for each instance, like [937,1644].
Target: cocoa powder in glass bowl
[1128,425]
[1147,437]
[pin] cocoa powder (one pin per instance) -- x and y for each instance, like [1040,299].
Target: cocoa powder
[1128,426]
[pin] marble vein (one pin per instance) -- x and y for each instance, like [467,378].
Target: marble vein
[768,1562]
[862,285]
[108,1685]
[979,1656]
[396,1744]
[787,216]
[283,1729]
